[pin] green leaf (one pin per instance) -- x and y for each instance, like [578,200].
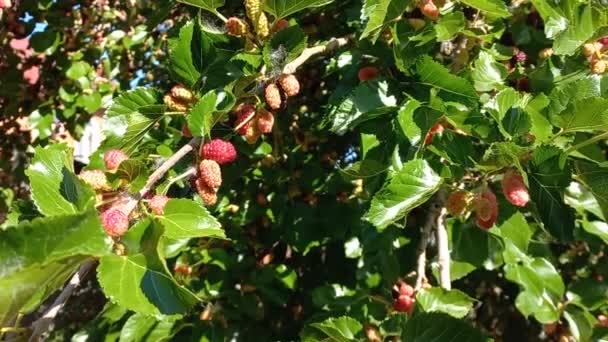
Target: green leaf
[474,246]
[553,19]
[410,187]
[90,102]
[597,228]
[130,116]
[410,44]
[368,101]
[133,172]
[542,288]
[284,46]
[141,282]
[541,127]
[208,111]
[449,25]
[37,256]
[133,101]
[209,5]
[55,188]
[46,42]
[580,29]
[32,286]
[341,329]
[185,218]
[580,198]
[493,8]
[487,74]
[364,169]
[588,292]
[516,230]
[594,178]
[393,324]
[580,323]
[548,181]
[502,102]
[454,302]
[49,239]
[439,327]
[453,87]
[589,114]
[182,60]
[78,69]
[140,327]
[405,117]
[455,148]
[380,13]
[416,121]
[562,95]
[283,8]
[506,154]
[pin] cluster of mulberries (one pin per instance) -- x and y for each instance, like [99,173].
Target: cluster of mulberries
[213,154]
[596,55]
[179,98]
[484,203]
[290,86]
[114,215]
[114,219]
[252,123]
[404,298]
[258,18]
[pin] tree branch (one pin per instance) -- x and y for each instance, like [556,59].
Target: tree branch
[443,253]
[42,324]
[421,251]
[333,44]
[168,164]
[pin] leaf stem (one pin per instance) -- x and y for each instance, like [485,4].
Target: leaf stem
[219,15]
[191,171]
[587,142]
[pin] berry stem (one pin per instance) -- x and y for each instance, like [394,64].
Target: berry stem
[191,171]
[333,44]
[219,15]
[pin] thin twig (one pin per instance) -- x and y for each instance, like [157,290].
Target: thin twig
[42,324]
[191,171]
[443,253]
[168,164]
[244,122]
[333,44]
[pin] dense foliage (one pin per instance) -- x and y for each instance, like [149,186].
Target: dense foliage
[316,170]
